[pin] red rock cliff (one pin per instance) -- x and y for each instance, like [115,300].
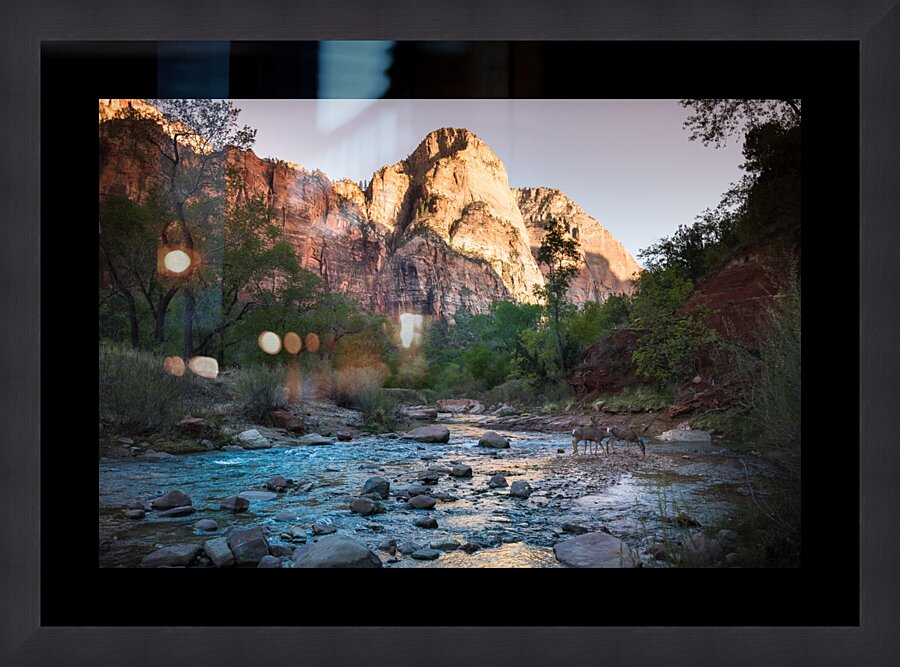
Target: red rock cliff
[437,231]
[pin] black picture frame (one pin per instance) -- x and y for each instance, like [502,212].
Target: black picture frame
[874,24]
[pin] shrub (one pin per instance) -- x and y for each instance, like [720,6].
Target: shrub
[259,390]
[519,390]
[138,396]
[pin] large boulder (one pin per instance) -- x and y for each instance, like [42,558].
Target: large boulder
[685,435]
[365,507]
[377,485]
[252,439]
[422,503]
[236,504]
[418,412]
[337,551]
[218,552]
[284,419]
[197,427]
[177,555]
[460,470]
[498,482]
[520,489]
[171,500]
[314,440]
[595,550]
[206,524]
[492,439]
[248,546]
[434,433]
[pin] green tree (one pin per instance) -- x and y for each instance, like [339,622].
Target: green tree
[559,253]
[191,149]
[714,121]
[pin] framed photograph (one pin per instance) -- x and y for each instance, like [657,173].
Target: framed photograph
[353,104]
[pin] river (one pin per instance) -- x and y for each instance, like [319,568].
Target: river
[626,494]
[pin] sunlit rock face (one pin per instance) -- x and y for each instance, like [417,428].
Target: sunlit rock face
[606,266]
[436,232]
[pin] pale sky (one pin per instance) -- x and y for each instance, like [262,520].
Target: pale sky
[627,163]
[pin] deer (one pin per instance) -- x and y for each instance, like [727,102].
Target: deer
[626,434]
[588,434]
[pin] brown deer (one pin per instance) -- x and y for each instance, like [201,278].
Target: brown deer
[588,434]
[626,434]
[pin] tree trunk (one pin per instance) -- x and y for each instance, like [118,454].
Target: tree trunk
[188,324]
[159,327]
[559,345]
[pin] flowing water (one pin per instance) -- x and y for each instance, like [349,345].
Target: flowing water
[627,494]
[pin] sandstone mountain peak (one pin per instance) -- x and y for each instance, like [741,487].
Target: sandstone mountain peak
[435,232]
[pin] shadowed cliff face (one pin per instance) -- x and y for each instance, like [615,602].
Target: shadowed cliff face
[437,231]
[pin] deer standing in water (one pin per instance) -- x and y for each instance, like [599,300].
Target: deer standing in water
[626,434]
[588,434]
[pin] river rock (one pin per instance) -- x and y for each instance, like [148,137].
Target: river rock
[419,412]
[417,489]
[178,511]
[433,433]
[177,555]
[135,515]
[426,554]
[337,551]
[461,471]
[682,435]
[377,485]
[236,504]
[206,524]
[284,419]
[171,500]
[248,546]
[232,448]
[365,507]
[323,529]
[701,550]
[279,483]
[422,502]
[498,482]
[426,522]
[252,439]
[258,496]
[470,547]
[520,489]
[448,544]
[218,552]
[314,440]
[595,550]
[429,476]
[286,515]
[390,436]
[269,561]
[406,548]
[492,439]
[344,436]
[505,410]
